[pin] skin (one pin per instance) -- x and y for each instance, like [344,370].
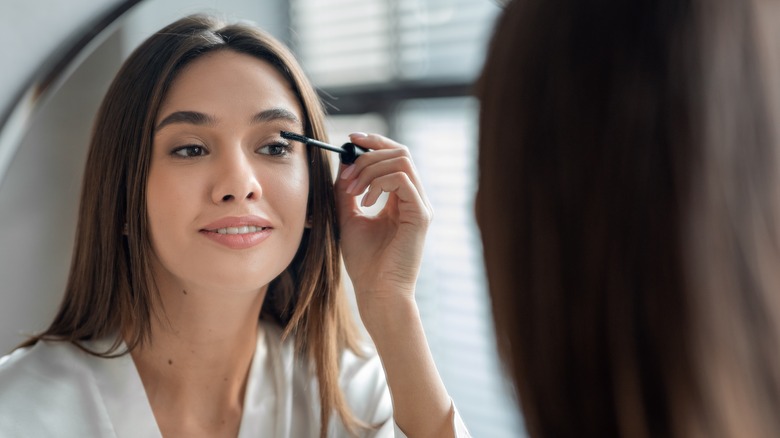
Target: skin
[195,370]
[212,294]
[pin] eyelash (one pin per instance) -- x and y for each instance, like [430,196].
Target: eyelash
[184,151]
[286,149]
[189,147]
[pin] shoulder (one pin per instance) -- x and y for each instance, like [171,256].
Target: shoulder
[363,382]
[43,388]
[361,377]
[43,365]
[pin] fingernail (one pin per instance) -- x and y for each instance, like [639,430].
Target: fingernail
[359,135]
[348,171]
[352,186]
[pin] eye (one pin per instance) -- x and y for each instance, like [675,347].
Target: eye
[190,151]
[276,149]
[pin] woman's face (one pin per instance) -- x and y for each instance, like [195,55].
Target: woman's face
[226,195]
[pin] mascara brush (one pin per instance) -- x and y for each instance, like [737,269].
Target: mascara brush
[348,152]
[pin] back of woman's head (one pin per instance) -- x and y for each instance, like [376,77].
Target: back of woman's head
[626,200]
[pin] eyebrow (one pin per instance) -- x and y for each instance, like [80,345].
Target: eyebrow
[275,114]
[190,117]
[201,119]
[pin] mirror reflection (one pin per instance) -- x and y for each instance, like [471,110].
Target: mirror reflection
[401,72]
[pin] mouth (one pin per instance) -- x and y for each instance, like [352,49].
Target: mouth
[247,229]
[236,235]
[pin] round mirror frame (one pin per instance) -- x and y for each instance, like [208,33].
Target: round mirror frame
[15,120]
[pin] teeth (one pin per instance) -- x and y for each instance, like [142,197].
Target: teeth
[240,230]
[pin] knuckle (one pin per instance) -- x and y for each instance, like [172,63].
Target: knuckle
[406,162]
[429,215]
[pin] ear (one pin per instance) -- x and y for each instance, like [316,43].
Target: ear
[308,222]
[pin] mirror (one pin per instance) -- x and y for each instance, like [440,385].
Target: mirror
[49,133]
[43,144]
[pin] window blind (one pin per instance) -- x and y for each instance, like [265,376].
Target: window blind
[359,42]
[344,42]
[452,293]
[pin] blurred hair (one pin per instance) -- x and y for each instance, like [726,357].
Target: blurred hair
[628,209]
[110,287]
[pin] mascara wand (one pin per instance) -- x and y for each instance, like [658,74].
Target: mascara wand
[348,152]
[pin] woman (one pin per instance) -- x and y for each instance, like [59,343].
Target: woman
[628,208]
[197,218]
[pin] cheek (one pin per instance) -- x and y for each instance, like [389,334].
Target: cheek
[167,199]
[299,184]
[158,190]
[157,209]
[291,190]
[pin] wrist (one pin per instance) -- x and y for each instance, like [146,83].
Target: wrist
[388,315]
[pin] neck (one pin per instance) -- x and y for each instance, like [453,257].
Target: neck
[195,368]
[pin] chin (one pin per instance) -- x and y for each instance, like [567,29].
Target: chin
[239,274]
[235,283]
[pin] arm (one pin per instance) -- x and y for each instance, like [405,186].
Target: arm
[382,255]
[421,404]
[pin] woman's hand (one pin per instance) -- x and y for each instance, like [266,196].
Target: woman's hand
[382,253]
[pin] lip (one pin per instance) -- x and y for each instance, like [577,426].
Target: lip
[238,241]
[238,221]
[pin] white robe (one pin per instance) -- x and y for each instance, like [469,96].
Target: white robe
[53,389]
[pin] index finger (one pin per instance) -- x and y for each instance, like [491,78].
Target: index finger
[374,141]
[380,142]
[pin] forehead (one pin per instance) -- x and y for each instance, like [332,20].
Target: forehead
[226,82]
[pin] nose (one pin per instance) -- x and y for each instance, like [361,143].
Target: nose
[235,180]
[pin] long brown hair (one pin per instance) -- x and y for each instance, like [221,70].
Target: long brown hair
[110,288]
[627,203]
